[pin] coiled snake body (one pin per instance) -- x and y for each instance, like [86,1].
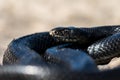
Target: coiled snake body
[101,43]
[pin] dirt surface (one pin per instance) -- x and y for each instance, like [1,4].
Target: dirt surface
[22,17]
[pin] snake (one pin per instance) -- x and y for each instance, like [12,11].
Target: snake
[22,72]
[100,43]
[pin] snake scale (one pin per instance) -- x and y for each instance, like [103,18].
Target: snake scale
[101,43]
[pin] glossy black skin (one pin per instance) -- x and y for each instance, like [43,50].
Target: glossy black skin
[29,50]
[20,72]
[24,51]
[28,72]
[33,46]
[101,43]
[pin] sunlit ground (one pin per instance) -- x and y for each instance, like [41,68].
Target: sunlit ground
[22,17]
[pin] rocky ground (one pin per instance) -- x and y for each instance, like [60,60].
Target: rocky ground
[18,18]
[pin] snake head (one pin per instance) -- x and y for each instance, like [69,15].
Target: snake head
[68,34]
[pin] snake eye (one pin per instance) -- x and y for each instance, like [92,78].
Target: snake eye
[56,32]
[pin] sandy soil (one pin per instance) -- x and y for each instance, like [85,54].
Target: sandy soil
[22,17]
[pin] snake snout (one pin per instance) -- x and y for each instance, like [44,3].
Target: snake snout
[61,32]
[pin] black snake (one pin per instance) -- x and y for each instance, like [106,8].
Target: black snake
[101,43]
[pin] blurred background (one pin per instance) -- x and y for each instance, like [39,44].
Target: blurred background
[22,17]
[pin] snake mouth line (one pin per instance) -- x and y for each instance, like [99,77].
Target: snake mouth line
[64,38]
[67,39]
